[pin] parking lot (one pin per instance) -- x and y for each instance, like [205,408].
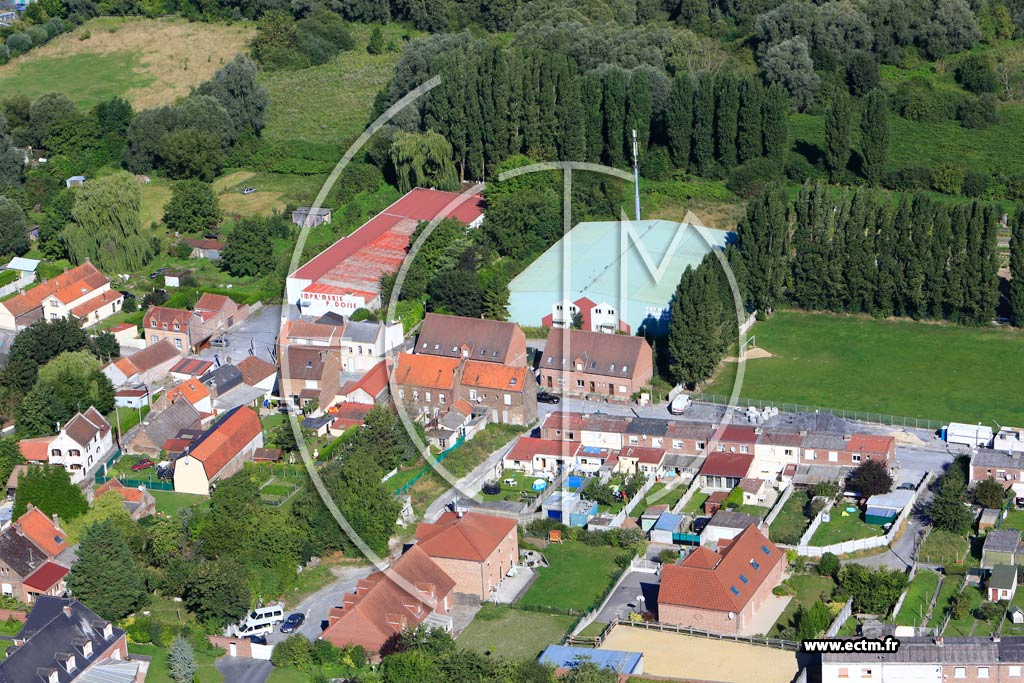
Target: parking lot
[257,333]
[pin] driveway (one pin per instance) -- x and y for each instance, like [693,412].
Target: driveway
[624,599]
[243,669]
[318,604]
[257,333]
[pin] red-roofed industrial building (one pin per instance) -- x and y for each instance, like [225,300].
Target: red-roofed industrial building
[721,592]
[477,550]
[346,275]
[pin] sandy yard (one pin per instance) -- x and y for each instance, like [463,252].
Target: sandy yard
[680,656]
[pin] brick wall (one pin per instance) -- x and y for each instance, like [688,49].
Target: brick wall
[477,578]
[243,647]
[17,615]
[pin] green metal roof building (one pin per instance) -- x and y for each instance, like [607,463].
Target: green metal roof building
[625,273]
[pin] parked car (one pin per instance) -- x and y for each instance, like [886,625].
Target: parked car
[906,486]
[545,397]
[293,622]
[126,294]
[158,272]
[165,473]
[220,342]
[142,465]
[678,404]
[258,640]
[249,190]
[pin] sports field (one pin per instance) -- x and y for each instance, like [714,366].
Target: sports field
[905,368]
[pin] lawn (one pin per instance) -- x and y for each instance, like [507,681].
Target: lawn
[513,633]
[696,503]
[122,469]
[892,367]
[806,589]
[524,484]
[1009,628]
[150,62]
[948,590]
[159,672]
[576,579]
[965,625]
[758,511]
[171,503]
[919,597]
[126,418]
[1014,520]
[942,548]
[841,529]
[660,494]
[790,523]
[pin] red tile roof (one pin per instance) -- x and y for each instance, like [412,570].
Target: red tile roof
[698,582]
[216,245]
[565,421]
[151,356]
[192,390]
[214,302]
[374,382]
[474,536]
[106,298]
[39,528]
[720,464]
[132,495]
[493,376]
[432,372]
[527,447]
[67,287]
[647,456]
[226,439]
[255,370]
[163,318]
[869,443]
[36,449]
[191,366]
[737,434]
[46,577]
[386,603]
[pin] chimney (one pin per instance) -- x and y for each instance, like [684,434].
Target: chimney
[996,638]
[67,610]
[56,521]
[938,640]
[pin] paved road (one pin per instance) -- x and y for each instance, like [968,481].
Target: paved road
[317,605]
[244,670]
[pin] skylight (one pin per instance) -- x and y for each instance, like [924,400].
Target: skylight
[744,579]
[754,564]
[765,550]
[734,590]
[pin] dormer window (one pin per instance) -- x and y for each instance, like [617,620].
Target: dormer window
[309,365]
[108,631]
[177,326]
[70,663]
[513,381]
[87,649]
[53,677]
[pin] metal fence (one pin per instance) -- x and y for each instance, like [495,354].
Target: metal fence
[855,415]
[777,643]
[151,484]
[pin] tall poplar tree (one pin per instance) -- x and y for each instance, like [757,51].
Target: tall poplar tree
[774,112]
[749,121]
[1017,267]
[874,135]
[614,106]
[727,103]
[703,124]
[639,110]
[762,236]
[837,134]
[679,121]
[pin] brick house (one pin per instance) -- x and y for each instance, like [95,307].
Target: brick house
[219,452]
[488,341]
[146,366]
[597,431]
[687,438]
[427,385]
[534,456]
[847,450]
[30,543]
[638,459]
[138,501]
[160,425]
[722,591]
[1005,468]
[971,659]
[773,450]
[724,471]
[648,432]
[412,590]
[508,393]
[477,550]
[214,314]
[63,641]
[309,374]
[596,366]
[171,324]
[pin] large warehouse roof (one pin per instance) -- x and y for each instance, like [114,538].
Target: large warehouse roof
[635,266]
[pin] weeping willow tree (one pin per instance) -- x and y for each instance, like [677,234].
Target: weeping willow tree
[107,227]
[423,160]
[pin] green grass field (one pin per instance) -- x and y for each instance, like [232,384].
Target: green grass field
[840,529]
[893,367]
[942,547]
[791,522]
[577,577]
[171,503]
[660,494]
[696,503]
[948,590]
[919,596]
[966,625]
[109,75]
[513,633]
[332,102]
[806,589]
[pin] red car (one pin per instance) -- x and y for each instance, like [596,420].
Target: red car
[142,465]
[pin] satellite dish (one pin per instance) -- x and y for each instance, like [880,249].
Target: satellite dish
[731,616]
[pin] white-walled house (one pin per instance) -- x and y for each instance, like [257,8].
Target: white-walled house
[83,442]
[219,452]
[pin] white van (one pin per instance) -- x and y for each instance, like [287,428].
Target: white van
[678,404]
[258,622]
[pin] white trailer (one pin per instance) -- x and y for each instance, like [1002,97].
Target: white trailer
[974,436]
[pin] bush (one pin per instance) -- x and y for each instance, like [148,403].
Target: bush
[917,99]
[139,631]
[668,556]
[295,651]
[800,170]
[656,164]
[828,565]
[38,34]
[990,611]
[782,589]
[975,183]
[5,54]
[750,179]
[19,43]
[55,27]
[975,74]
[948,179]
[910,179]
[862,74]
[978,112]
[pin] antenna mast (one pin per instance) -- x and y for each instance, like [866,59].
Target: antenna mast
[636,178]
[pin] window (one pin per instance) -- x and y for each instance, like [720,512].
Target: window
[865,673]
[579,383]
[427,396]
[622,388]
[177,326]
[833,456]
[843,672]
[472,394]
[701,445]
[765,550]
[754,564]
[440,399]
[744,449]
[415,394]
[721,448]
[734,590]
[87,649]
[508,399]
[634,441]
[1014,671]
[401,394]
[808,455]
[177,344]
[744,579]
[677,443]
[982,672]
[856,457]
[70,663]
[960,672]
